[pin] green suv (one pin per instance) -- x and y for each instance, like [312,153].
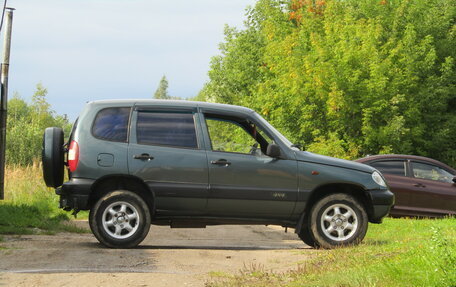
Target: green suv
[133,163]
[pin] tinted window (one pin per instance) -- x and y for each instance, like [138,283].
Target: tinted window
[166,128]
[112,124]
[431,172]
[396,167]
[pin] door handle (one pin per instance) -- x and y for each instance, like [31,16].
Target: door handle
[143,156]
[221,162]
[419,185]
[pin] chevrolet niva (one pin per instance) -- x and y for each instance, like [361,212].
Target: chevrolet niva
[134,163]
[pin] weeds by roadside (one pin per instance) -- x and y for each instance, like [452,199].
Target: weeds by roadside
[399,252]
[29,206]
[445,250]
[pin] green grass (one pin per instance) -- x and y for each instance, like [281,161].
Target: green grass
[29,206]
[399,252]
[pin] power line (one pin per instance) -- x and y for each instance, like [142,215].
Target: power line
[3,15]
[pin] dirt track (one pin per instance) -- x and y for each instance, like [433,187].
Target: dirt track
[168,257]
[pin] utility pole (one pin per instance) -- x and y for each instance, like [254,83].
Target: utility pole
[4,96]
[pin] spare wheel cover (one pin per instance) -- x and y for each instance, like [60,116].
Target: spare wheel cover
[52,157]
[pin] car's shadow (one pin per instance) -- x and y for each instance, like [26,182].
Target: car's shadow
[208,247]
[197,247]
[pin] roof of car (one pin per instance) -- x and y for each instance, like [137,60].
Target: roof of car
[403,156]
[181,103]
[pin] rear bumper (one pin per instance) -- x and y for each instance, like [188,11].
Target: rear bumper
[382,202]
[74,194]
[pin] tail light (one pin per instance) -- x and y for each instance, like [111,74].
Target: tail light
[73,156]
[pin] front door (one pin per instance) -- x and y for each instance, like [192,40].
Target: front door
[164,151]
[434,191]
[400,182]
[243,180]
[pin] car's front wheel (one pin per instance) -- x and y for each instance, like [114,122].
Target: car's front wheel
[120,219]
[337,220]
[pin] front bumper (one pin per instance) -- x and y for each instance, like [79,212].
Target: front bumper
[382,202]
[74,194]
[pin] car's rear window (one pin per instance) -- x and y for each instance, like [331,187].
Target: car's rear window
[112,124]
[395,167]
[175,129]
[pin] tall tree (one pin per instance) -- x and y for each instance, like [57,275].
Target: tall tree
[162,90]
[26,124]
[346,77]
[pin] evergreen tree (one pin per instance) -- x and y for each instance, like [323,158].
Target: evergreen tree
[162,90]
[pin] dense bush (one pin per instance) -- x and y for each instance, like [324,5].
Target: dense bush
[26,124]
[347,78]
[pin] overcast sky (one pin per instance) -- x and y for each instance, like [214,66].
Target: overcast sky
[101,49]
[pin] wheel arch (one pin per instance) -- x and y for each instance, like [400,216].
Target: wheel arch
[357,191]
[106,184]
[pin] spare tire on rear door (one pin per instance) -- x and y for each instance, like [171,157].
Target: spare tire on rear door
[52,157]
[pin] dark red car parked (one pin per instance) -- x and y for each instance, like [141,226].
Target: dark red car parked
[422,186]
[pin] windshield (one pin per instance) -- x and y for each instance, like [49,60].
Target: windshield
[281,137]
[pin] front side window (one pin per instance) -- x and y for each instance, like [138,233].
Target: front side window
[238,137]
[112,124]
[394,167]
[174,129]
[431,172]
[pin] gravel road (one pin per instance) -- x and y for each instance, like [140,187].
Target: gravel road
[167,257]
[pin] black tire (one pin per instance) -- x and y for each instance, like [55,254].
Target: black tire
[337,220]
[105,224]
[52,157]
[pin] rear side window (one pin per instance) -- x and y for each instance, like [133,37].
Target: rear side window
[112,124]
[395,167]
[167,129]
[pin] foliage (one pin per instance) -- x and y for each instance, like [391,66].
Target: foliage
[346,78]
[162,90]
[444,249]
[228,136]
[399,252]
[29,206]
[26,124]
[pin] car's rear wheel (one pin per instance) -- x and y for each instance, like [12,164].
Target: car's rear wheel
[52,157]
[120,219]
[337,220]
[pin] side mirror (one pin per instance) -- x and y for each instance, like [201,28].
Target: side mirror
[454,179]
[273,150]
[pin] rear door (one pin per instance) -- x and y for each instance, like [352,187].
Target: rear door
[165,151]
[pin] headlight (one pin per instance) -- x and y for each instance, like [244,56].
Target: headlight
[378,179]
